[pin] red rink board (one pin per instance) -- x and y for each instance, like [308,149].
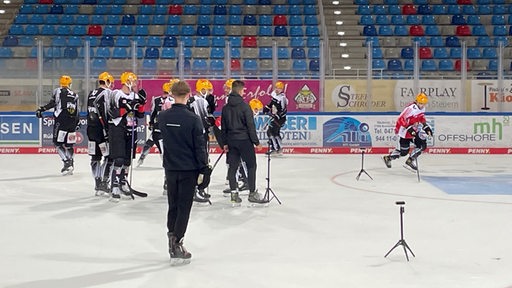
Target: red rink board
[294,150]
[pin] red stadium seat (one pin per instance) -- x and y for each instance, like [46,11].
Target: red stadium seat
[463,30]
[408,9]
[416,30]
[94,30]
[458,65]
[280,20]
[425,53]
[175,10]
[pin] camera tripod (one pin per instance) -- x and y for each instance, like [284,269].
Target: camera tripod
[269,190]
[402,240]
[363,150]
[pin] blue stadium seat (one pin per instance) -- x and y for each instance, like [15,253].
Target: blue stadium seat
[310,20]
[217,53]
[385,30]
[453,9]
[82,19]
[204,20]
[140,40]
[59,41]
[220,10]
[42,9]
[428,20]
[499,9]
[401,30]
[146,10]
[202,41]
[489,53]
[452,41]
[265,20]
[36,19]
[235,41]
[97,19]
[54,52]
[407,53]
[143,19]
[295,20]
[298,53]
[16,29]
[141,30]
[152,53]
[412,20]
[446,65]
[103,52]
[154,41]
[10,41]
[265,53]
[455,53]
[149,66]
[441,53]
[299,65]
[468,9]
[128,20]
[312,41]
[187,52]
[314,65]
[478,30]
[189,10]
[483,41]
[174,20]
[219,20]
[110,30]
[52,19]
[382,20]
[205,9]
[219,30]
[188,41]
[394,10]
[428,65]
[280,10]
[120,53]
[493,65]
[395,65]
[283,53]
[439,9]
[235,20]
[47,30]
[26,9]
[370,30]
[250,65]
[70,52]
[378,64]
[168,53]
[484,9]
[27,41]
[498,20]
[500,30]
[21,19]
[500,39]
[408,65]
[235,10]
[172,30]
[71,9]
[432,30]
[313,53]
[217,66]
[218,41]
[397,20]
[364,10]
[235,53]
[170,41]
[75,41]
[296,31]
[366,20]
[107,41]
[203,30]
[474,53]
[377,53]
[424,9]
[159,19]
[67,19]
[188,30]
[265,30]
[280,31]
[250,20]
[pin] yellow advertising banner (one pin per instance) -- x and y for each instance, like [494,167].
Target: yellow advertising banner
[351,96]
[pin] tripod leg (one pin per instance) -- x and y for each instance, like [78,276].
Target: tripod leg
[405,250]
[408,248]
[396,245]
[367,174]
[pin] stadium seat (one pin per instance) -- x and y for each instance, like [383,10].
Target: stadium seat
[168,53]
[120,53]
[369,30]
[283,53]
[298,53]
[217,53]
[432,30]
[412,20]
[395,65]
[425,53]
[217,66]
[250,65]
[493,65]
[378,64]
[397,20]
[416,30]
[463,30]
[489,53]
[407,53]
[376,53]
[452,41]
[440,53]
[473,53]
[249,41]
[299,65]
[428,65]
[152,53]
[455,52]
[401,30]
[219,30]
[445,65]
[103,52]
[458,65]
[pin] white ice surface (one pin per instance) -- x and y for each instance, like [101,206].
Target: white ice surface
[330,231]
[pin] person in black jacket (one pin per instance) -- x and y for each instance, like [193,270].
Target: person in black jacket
[239,138]
[185,163]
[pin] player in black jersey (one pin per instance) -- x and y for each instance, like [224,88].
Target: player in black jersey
[65,104]
[97,132]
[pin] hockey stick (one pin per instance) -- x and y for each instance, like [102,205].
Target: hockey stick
[417,169]
[217,161]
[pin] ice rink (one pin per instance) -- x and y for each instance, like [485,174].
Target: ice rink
[330,231]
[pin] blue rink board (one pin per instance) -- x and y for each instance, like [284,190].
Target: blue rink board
[476,185]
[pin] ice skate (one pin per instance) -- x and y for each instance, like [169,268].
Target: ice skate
[68,168]
[279,152]
[271,152]
[140,162]
[255,198]
[126,192]
[177,252]
[411,163]
[116,195]
[235,199]
[199,197]
[387,161]
[97,187]
[243,186]
[226,192]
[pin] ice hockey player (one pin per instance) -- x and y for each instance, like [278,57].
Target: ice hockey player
[411,127]
[276,109]
[156,106]
[125,106]
[65,104]
[97,132]
[199,105]
[240,139]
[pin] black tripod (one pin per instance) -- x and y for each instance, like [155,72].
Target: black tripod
[269,190]
[402,240]
[362,166]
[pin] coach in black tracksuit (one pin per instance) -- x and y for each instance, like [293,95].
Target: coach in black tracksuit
[239,136]
[184,158]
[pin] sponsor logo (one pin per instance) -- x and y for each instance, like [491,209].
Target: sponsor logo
[321,150]
[346,131]
[305,98]
[9,150]
[479,151]
[439,150]
[345,96]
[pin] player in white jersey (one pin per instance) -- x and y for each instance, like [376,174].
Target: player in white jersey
[277,110]
[411,126]
[125,106]
[97,132]
[65,104]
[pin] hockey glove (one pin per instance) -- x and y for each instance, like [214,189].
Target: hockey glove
[203,180]
[39,112]
[141,96]
[411,131]
[427,130]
